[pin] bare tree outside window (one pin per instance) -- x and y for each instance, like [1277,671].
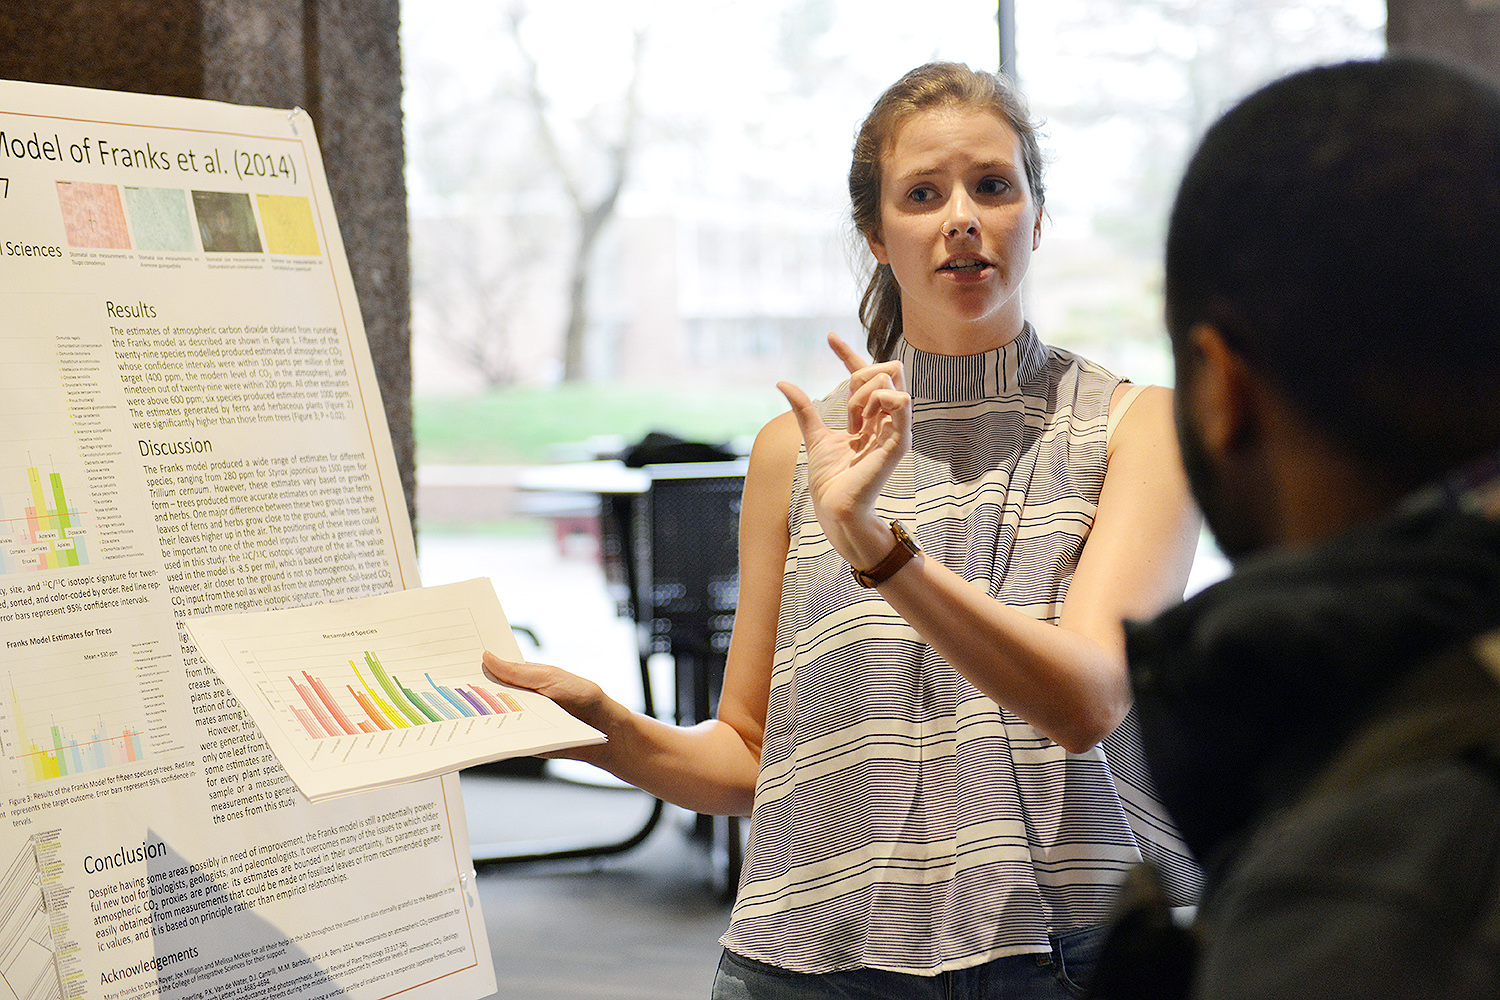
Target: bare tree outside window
[469,295]
[593,204]
[1126,87]
[631,215]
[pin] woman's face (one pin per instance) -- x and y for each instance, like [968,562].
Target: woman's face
[957,226]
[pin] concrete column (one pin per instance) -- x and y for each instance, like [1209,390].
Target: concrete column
[339,60]
[1462,31]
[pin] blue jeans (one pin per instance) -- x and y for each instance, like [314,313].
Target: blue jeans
[1061,975]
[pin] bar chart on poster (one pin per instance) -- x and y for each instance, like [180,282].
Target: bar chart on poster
[44,525]
[55,733]
[85,707]
[382,689]
[45,521]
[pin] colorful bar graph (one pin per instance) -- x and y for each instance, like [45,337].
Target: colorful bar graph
[327,699]
[439,705]
[309,723]
[65,754]
[387,703]
[49,534]
[392,690]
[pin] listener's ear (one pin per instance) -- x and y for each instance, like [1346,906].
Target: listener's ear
[1224,395]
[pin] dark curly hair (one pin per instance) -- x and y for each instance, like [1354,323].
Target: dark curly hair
[1341,228]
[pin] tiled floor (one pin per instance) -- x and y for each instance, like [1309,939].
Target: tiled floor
[640,924]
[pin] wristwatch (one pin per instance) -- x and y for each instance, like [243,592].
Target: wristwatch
[906,547]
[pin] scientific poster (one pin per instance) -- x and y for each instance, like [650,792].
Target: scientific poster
[189,424]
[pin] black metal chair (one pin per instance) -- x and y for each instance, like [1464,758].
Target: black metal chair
[671,560]
[686,559]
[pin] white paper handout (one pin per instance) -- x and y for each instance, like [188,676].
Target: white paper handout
[381,690]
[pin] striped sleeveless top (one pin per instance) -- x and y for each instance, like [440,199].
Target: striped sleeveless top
[903,821]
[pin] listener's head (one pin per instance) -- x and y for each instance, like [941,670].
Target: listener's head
[1337,234]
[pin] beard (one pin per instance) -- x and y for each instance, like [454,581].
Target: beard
[1230,520]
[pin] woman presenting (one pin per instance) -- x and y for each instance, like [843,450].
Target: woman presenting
[925,706]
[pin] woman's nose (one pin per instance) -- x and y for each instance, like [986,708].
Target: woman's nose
[960,219]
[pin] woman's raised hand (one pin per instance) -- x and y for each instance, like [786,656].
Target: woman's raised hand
[846,470]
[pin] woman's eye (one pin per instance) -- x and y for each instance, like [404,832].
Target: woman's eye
[923,194]
[994,185]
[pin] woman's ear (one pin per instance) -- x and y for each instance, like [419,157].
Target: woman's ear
[877,248]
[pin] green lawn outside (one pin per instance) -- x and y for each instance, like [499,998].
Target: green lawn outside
[523,425]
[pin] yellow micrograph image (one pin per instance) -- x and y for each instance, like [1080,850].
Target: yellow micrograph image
[288,222]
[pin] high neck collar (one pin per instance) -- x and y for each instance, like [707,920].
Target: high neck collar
[999,372]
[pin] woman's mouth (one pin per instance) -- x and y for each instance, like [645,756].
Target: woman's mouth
[965,266]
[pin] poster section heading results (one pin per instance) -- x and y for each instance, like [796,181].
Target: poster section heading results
[381,690]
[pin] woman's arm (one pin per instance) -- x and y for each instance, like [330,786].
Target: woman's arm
[710,767]
[1069,680]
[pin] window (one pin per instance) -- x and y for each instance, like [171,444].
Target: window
[726,255]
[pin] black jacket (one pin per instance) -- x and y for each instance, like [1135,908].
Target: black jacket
[1326,741]
[1246,691]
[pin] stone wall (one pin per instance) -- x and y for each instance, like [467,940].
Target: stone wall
[339,61]
[1462,31]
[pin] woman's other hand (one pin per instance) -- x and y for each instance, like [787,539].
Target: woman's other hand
[578,696]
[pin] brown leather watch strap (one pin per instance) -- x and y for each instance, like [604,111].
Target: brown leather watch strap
[906,547]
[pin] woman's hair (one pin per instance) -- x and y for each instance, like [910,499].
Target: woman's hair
[935,85]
